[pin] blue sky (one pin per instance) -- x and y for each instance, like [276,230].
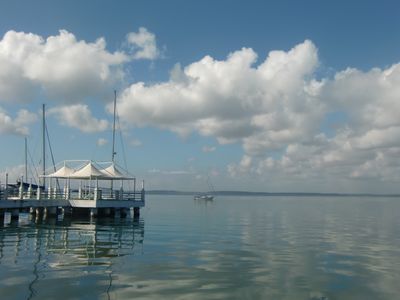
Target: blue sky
[260,95]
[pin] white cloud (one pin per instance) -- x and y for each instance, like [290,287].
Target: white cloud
[143,44]
[276,111]
[60,66]
[101,142]
[17,126]
[274,108]
[80,117]
[265,107]
[14,173]
[244,166]
[63,67]
[208,149]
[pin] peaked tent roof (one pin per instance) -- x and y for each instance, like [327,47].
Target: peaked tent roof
[113,172]
[63,172]
[90,171]
[87,172]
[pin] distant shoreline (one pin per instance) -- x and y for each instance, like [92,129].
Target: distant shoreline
[263,194]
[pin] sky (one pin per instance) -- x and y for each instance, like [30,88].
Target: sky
[274,96]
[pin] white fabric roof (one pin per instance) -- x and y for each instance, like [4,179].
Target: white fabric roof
[63,172]
[87,172]
[113,172]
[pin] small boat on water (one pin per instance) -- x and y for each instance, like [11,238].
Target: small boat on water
[204,197]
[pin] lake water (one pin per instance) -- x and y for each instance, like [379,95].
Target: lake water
[230,248]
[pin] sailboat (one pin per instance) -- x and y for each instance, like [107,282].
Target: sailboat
[206,196]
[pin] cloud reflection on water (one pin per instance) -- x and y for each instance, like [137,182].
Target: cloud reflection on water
[232,248]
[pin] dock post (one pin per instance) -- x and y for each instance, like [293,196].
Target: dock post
[14,213]
[51,211]
[123,212]
[38,193]
[68,189]
[6,190]
[65,192]
[93,212]
[29,195]
[107,211]
[67,211]
[80,190]
[21,189]
[136,211]
[142,192]
[49,190]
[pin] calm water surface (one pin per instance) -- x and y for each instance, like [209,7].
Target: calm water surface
[231,248]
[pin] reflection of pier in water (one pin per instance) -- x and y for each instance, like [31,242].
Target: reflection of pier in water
[70,249]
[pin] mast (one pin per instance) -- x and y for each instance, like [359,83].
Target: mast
[44,144]
[113,134]
[113,138]
[26,160]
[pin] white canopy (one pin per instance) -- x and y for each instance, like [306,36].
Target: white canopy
[63,172]
[113,172]
[87,172]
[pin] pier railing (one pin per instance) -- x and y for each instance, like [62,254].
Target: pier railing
[65,194]
[2,194]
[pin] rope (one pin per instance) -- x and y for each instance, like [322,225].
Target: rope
[34,168]
[122,142]
[51,152]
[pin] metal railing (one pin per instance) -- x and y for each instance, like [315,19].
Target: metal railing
[3,189]
[84,194]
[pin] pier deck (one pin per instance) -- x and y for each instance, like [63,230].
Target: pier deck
[78,203]
[93,202]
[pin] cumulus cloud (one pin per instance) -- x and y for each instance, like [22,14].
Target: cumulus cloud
[80,117]
[244,166]
[233,100]
[143,44]
[274,106]
[18,125]
[60,66]
[276,109]
[14,173]
[65,68]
